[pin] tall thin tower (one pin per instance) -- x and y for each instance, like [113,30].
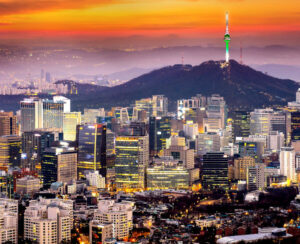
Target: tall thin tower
[227,40]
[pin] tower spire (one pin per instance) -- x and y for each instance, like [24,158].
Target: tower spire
[227,40]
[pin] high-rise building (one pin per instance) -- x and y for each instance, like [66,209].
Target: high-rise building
[100,233]
[260,121]
[28,185]
[215,170]
[241,124]
[70,122]
[59,164]
[90,115]
[207,142]
[8,221]
[190,129]
[216,111]
[159,132]
[132,155]
[8,124]
[48,221]
[31,114]
[43,113]
[10,151]
[118,214]
[180,152]
[184,105]
[295,126]
[95,179]
[146,105]
[275,140]
[241,165]
[91,148]
[256,177]
[287,163]
[33,144]
[252,149]
[167,173]
[159,105]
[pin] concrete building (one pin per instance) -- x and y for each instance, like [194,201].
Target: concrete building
[95,179]
[287,163]
[100,233]
[241,166]
[8,124]
[28,185]
[119,214]
[70,122]
[256,177]
[8,221]
[167,173]
[48,221]
[10,151]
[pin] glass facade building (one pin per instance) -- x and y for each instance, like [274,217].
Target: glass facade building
[131,161]
[91,140]
[215,170]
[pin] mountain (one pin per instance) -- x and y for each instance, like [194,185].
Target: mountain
[240,85]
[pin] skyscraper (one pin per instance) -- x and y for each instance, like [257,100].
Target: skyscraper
[287,163]
[58,164]
[91,140]
[33,144]
[227,40]
[132,154]
[241,124]
[10,151]
[8,124]
[43,113]
[215,170]
[159,132]
[70,122]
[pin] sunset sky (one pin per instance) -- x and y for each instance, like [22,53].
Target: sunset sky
[271,21]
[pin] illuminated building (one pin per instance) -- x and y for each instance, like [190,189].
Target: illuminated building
[241,124]
[100,232]
[167,173]
[91,148]
[295,126]
[252,149]
[8,124]
[207,142]
[118,214]
[43,113]
[33,144]
[132,155]
[159,132]
[144,104]
[90,115]
[184,105]
[227,40]
[215,170]
[180,152]
[260,121]
[8,221]
[27,185]
[241,165]
[10,151]
[216,111]
[159,105]
[279,122]
[31,114]
[95,179]
[58,164]
[256,177]
[190,129]
[70,122]
[48,221]
[287,163]
[275,140]
[53,111]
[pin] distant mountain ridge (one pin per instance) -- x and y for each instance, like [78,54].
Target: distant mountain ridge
[240,85]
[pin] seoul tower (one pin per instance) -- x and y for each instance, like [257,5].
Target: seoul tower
[227,40]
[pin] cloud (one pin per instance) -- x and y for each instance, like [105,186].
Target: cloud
[10,7]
